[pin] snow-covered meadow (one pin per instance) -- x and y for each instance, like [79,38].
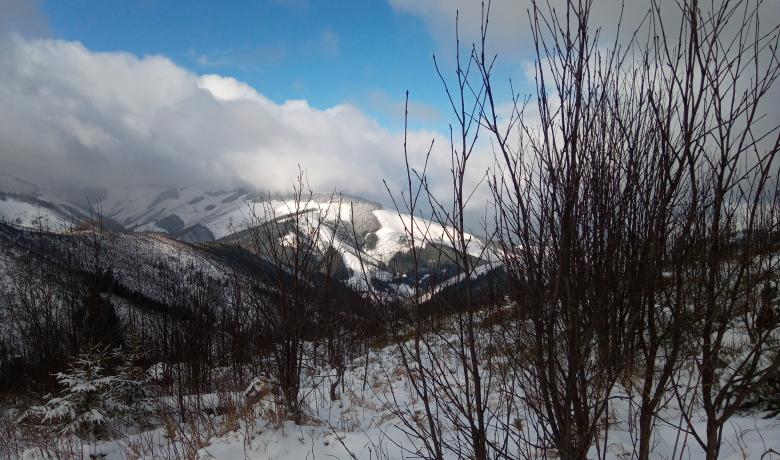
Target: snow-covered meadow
[374,418]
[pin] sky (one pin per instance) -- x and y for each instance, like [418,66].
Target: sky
[225,94]
[329,52]
[179,93]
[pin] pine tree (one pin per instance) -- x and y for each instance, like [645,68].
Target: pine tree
[103,391]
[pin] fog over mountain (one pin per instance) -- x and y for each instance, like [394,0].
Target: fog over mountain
[100,119]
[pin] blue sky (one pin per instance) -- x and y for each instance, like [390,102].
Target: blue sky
[327,52]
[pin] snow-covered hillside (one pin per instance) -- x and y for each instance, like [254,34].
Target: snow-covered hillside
[25,211]
[369,420]
[368,237]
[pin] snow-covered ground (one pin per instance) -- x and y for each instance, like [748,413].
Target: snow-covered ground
[25,212]
[364,424]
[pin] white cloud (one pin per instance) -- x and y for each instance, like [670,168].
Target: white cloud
[230,89]
[508,30]
[508,21]
[99,119]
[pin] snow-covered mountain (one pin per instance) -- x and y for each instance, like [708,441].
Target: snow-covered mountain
[369,238]
[187,213]
[27,211]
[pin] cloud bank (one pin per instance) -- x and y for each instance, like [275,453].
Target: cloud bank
[509,33]
[76,117]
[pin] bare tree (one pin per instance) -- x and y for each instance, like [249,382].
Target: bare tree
[721,75]
[567,220]
[283,295]
[446,361]
[640,205]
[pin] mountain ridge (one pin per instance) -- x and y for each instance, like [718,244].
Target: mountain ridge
[368,237]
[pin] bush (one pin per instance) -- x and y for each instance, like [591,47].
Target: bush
[95,402]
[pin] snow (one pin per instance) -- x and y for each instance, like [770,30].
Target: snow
[139,207]
[151,227]
[364,424]
[26,213]
[289,240]
[229,222]
[224,213]
[396,228]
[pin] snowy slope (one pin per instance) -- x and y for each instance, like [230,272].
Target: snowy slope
[396,228]
[25,211]
[349,226]
[365,424]
[367,236]
[139,206]
[226,212]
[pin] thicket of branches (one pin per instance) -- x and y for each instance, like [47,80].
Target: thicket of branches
[636,218]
